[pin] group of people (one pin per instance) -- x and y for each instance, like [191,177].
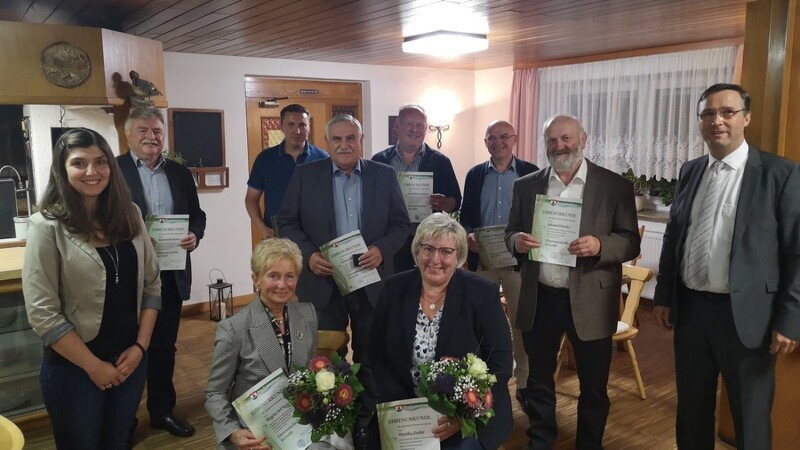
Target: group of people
[728,278]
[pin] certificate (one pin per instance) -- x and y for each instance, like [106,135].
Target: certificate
[348,276]
[417,188]
[408,425]
[556,223]
[266,412]
[495,253]
[167,231]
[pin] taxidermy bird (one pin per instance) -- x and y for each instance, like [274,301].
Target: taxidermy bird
[143,90]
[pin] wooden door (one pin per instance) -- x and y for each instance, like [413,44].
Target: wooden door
[324,99]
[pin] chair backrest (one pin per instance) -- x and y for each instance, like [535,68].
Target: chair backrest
[639,256]
[638,276]
[329,342]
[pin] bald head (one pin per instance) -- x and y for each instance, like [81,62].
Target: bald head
[500,140]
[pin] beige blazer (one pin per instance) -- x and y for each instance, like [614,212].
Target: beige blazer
[246,351]
[64,280]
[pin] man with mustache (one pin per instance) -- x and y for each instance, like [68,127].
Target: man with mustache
[160,186]
[729,276]
[487,200]
[412,154]
[581,301]
[332,197]
[273,168]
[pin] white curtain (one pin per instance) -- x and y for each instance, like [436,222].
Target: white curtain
[639,113]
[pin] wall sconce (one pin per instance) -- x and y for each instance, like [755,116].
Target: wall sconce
[220,298]
[439,129]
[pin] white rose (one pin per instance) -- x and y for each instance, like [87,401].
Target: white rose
[477,368]
[325,380]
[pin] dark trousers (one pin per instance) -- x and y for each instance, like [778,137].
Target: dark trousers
[403,260]
[356,310]
[707,344]
[160,389]
[83,416]
[593,358]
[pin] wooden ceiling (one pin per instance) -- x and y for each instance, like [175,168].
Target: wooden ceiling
[521,32]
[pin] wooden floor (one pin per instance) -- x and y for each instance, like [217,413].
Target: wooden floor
[632,424]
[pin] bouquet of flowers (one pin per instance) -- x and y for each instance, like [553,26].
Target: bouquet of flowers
[323,395]
[460,388]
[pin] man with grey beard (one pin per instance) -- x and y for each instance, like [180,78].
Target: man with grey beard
[581,301]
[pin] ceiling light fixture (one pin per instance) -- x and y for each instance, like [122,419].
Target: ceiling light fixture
[445,43]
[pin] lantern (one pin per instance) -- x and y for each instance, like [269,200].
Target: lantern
[220,300]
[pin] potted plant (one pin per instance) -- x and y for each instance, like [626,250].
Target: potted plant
[641,186]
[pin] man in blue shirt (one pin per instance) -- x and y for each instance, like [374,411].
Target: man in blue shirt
[274,167]
[487,200]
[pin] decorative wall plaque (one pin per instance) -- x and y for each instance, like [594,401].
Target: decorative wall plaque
[65,65]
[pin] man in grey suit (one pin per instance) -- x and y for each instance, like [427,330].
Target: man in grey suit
[329,198]
[581,301]
[729,275]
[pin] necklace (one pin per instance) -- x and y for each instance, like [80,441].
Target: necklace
[115,262]
[432,304]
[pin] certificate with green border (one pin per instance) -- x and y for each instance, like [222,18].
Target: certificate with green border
[408,425]
[348,276]
[556,223]
[266,412]
[417,188]
[494,254]
[167,231]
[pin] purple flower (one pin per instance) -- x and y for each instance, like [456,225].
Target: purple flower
[341,367]
[444,384]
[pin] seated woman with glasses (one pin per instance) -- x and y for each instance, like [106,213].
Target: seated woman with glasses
[438,310]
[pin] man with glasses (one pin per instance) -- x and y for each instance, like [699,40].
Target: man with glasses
[581,301]
[412,154]
[487,200]
[729,275]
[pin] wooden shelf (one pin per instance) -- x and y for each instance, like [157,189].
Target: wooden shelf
[210,178]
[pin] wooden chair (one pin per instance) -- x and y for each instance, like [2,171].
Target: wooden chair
[329,342]
[639,256]
[626,330]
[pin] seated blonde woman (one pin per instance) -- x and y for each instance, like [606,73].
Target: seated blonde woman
[268,334]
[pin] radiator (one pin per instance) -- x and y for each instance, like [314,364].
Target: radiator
[651,253]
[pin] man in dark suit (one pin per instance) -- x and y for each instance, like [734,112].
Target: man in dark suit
[160,186]
[412,154]
[729,275]
[332,197]
[487,200]
[581,301]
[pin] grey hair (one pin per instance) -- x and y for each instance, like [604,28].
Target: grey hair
[405,109]
[145,113]
[342,118]
[439,225]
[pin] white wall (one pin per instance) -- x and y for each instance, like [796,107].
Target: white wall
[492,102]
[206,81]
